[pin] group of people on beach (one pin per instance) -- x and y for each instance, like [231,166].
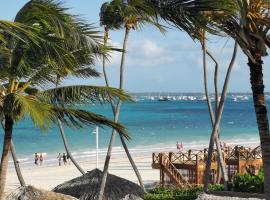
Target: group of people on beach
[65,158]
[179,147]
[38,159]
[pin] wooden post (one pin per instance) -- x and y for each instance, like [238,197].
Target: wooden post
[197,169]
[170,156]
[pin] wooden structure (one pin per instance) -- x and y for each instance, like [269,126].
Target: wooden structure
[185,169]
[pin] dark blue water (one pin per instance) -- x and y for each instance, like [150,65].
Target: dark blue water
[151,123]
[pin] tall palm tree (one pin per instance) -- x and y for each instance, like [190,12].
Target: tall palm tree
[128,14]
[27,65]
[85,48]
[250,29]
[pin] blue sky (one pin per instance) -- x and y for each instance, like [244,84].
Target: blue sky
[156,62]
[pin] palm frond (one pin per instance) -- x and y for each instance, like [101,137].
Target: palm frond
[78,118]
[86,72]
[249,27]
[83,94]
[191,15]
[135,13]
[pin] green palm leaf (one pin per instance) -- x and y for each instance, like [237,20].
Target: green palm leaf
[78,118]
[83,94]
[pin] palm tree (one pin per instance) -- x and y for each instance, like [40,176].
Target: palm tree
[85,48]
[27,65]
[249,28]
[128,14]
[191,16]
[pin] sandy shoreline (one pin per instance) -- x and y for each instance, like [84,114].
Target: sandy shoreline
[50,174]
[47,177]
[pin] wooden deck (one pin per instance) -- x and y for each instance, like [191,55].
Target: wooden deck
[185,169]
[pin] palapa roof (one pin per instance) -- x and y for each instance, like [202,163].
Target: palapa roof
[32,193]
[86,187]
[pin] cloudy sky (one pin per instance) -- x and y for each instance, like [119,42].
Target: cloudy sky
[158,62]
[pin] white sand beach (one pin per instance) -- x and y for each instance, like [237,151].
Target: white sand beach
[47,177]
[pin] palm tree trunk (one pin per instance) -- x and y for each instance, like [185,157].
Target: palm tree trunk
[114,111]
[217,121]
[212,117]
[16,164]
[257,86]
[63,136]
[117,111]
[5,154]
[15,160]
[67,147]
[221,168]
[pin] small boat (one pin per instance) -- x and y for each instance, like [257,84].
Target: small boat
[163,99]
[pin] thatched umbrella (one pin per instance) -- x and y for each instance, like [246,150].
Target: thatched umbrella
[32,193]
[86,187]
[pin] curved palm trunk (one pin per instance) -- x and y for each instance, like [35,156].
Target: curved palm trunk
[63,136]
[67,147]
[214,133]
[5,154]
[16,164]
[257,86]
[15,159]
[117,111]
[114,112]
[221,169]
[212,117]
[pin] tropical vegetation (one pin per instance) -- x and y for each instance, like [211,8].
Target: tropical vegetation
[172,193]
[129,15]
[34,59]
[45,44]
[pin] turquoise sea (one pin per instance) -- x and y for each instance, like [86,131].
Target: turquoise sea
[152,124]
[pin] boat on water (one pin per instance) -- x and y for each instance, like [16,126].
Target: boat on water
[163,99]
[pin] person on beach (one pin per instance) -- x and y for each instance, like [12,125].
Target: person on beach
[40,159]
[177,146]
[36,159]
[59,159]
[68,157]
[181,147]
[64,159]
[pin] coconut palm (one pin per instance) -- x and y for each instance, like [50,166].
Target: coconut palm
[28,64]
[81,39]
[128,14]
[249,28]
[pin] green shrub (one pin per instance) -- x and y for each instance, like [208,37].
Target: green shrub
[171,193]
[249,182]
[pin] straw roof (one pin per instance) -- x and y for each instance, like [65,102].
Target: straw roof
[32,193]
[86,187]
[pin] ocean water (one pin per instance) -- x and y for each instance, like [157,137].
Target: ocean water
[152,124]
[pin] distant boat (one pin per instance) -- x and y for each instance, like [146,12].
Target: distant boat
[163,99]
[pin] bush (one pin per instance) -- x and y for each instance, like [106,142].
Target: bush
[170,193]
[249,182]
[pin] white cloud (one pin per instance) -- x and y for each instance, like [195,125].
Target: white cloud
[142,53]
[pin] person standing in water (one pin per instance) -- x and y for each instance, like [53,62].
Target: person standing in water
[59,159]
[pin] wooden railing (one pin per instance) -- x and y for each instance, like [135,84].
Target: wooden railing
[172,171]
